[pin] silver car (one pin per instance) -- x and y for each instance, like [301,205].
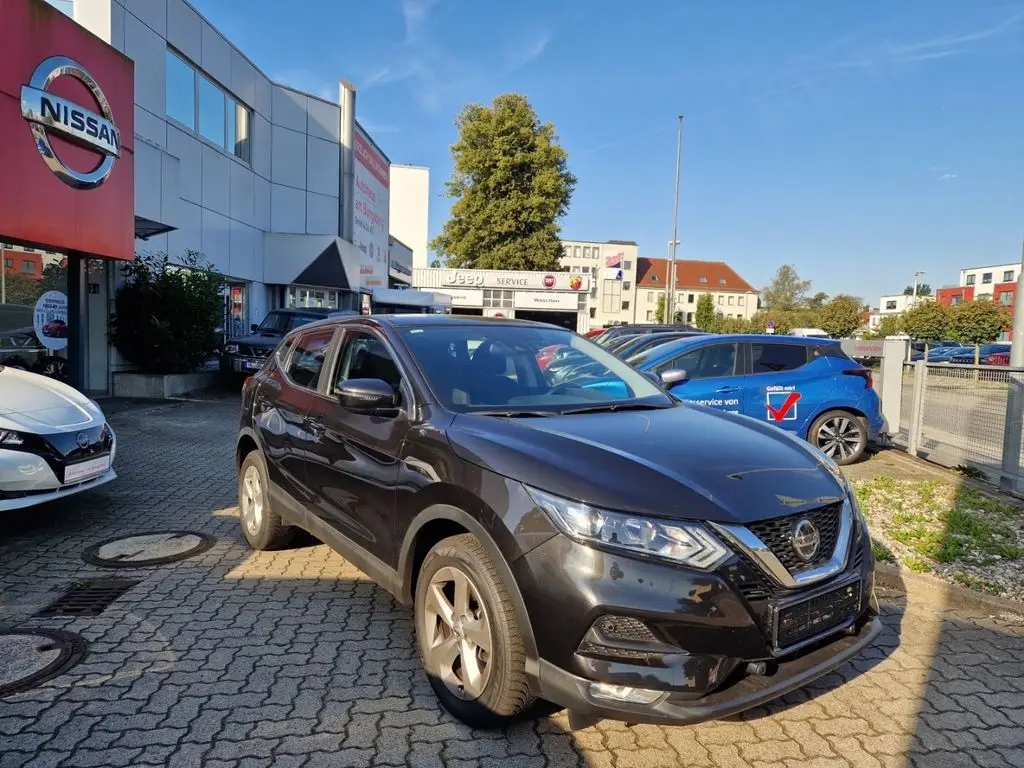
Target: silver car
[54,441]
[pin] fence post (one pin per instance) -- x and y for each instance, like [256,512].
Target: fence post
[917,409]
[1012,427]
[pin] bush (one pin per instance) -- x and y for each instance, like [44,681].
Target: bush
[166,315]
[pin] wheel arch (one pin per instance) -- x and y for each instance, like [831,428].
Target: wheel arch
[245,445]
[442,519]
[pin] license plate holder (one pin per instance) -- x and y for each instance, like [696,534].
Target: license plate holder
[86,470]
[800,621]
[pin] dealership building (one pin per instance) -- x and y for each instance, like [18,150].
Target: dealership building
[135,125]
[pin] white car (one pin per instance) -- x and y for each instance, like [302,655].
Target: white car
[54,441]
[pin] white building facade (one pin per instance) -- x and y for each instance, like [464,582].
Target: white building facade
[281,191]
[984,279]
[612,268]
[410,210]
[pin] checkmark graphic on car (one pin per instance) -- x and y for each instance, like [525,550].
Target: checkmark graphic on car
[778,414]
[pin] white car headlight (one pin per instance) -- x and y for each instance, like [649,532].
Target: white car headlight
[231,348]
[10,438]
[689,544]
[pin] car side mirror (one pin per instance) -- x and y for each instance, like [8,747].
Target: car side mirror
[253,327]
[668,378]
[370,396]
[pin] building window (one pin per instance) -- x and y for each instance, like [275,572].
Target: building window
[654,278]
[702,279]
[957,299]
[689,298]
[586,270]
[969,280]
[298,296]
[650,297]
[586,252]
[9,263]
[890,304]
[739,301]
[593,312]
[721,299]
[730,301]
[576,251]
[1008,276]
[650,314]
[1006,298]
[626,284]
[495,297]
[201,105]
[627,265]
[986,277]
[689,317]
[625,305]
[721,281]
[28,267]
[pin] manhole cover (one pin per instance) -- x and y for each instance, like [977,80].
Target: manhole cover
[87,598]
[30,657]
[147,549]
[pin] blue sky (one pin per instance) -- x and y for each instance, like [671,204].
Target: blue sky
[859,141]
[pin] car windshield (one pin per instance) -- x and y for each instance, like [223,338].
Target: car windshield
[282,322]
[496,368]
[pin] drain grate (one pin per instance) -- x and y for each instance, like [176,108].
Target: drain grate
[87,598]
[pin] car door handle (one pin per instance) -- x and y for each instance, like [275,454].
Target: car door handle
[724,390]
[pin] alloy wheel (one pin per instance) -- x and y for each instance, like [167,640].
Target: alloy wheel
[839,437]
[252,500]
[458,633]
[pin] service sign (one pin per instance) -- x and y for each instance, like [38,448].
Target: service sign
[372,189]
[466,298]
[67,110]
[493,278]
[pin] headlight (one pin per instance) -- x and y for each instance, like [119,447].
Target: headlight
[685,543]
[10,438]
[231,348]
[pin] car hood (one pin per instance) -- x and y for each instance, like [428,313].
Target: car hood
[258,339]
[686,462]
[38,404]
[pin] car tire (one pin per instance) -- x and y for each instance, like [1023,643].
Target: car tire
[452,635]
[840,435]
[261,526]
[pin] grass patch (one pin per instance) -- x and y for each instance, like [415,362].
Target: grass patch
[933,526]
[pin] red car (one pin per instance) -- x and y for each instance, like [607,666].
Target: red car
[594,333]
[998,358]
[545,355]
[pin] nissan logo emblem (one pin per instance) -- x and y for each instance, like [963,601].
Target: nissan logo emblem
[806,539]
[47,112]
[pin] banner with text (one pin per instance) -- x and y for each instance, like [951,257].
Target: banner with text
[372,189]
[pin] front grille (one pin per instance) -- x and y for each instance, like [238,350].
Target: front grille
[776,534]
[624,628]
[248,350]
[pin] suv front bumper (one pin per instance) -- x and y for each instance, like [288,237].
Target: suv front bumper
[692,645]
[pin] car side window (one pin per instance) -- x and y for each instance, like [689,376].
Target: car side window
[307,358]
[365,356]
[775,358]
[712,361]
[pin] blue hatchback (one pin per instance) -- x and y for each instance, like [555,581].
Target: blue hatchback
[802,385]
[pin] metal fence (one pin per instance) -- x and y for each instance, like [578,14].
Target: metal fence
[965,414]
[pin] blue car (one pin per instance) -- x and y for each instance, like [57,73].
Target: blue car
[806,386]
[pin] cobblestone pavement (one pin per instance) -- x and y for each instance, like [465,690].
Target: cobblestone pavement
[295,659]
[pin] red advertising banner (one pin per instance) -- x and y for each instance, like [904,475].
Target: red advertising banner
[67,109]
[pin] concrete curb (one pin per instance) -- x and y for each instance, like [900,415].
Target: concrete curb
[937,591]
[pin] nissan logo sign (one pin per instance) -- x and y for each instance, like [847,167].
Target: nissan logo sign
[46,112]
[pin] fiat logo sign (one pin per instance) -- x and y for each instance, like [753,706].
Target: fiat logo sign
[549,281]
[48,113]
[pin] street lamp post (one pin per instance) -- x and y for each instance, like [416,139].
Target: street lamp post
[670,289]
[917,275]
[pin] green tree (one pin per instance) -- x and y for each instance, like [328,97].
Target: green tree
[841,316]
[928,321]
[818,300]
[890,325]
[704,317]
[659,312]
[783,321]
[167,314]
[19,289]
[511,184]
[977,322]
[786,291]
[923,289]
[730,325]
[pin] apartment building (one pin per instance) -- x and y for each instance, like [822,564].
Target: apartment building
[732,295]
[612,265]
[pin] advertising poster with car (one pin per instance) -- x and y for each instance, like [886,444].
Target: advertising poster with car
[50,320]
[372,189]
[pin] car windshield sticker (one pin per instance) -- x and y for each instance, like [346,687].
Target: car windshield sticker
[781,403]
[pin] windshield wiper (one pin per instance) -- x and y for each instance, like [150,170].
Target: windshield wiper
[513,414]
[612,407]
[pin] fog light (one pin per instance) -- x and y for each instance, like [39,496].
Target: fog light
[623,693]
